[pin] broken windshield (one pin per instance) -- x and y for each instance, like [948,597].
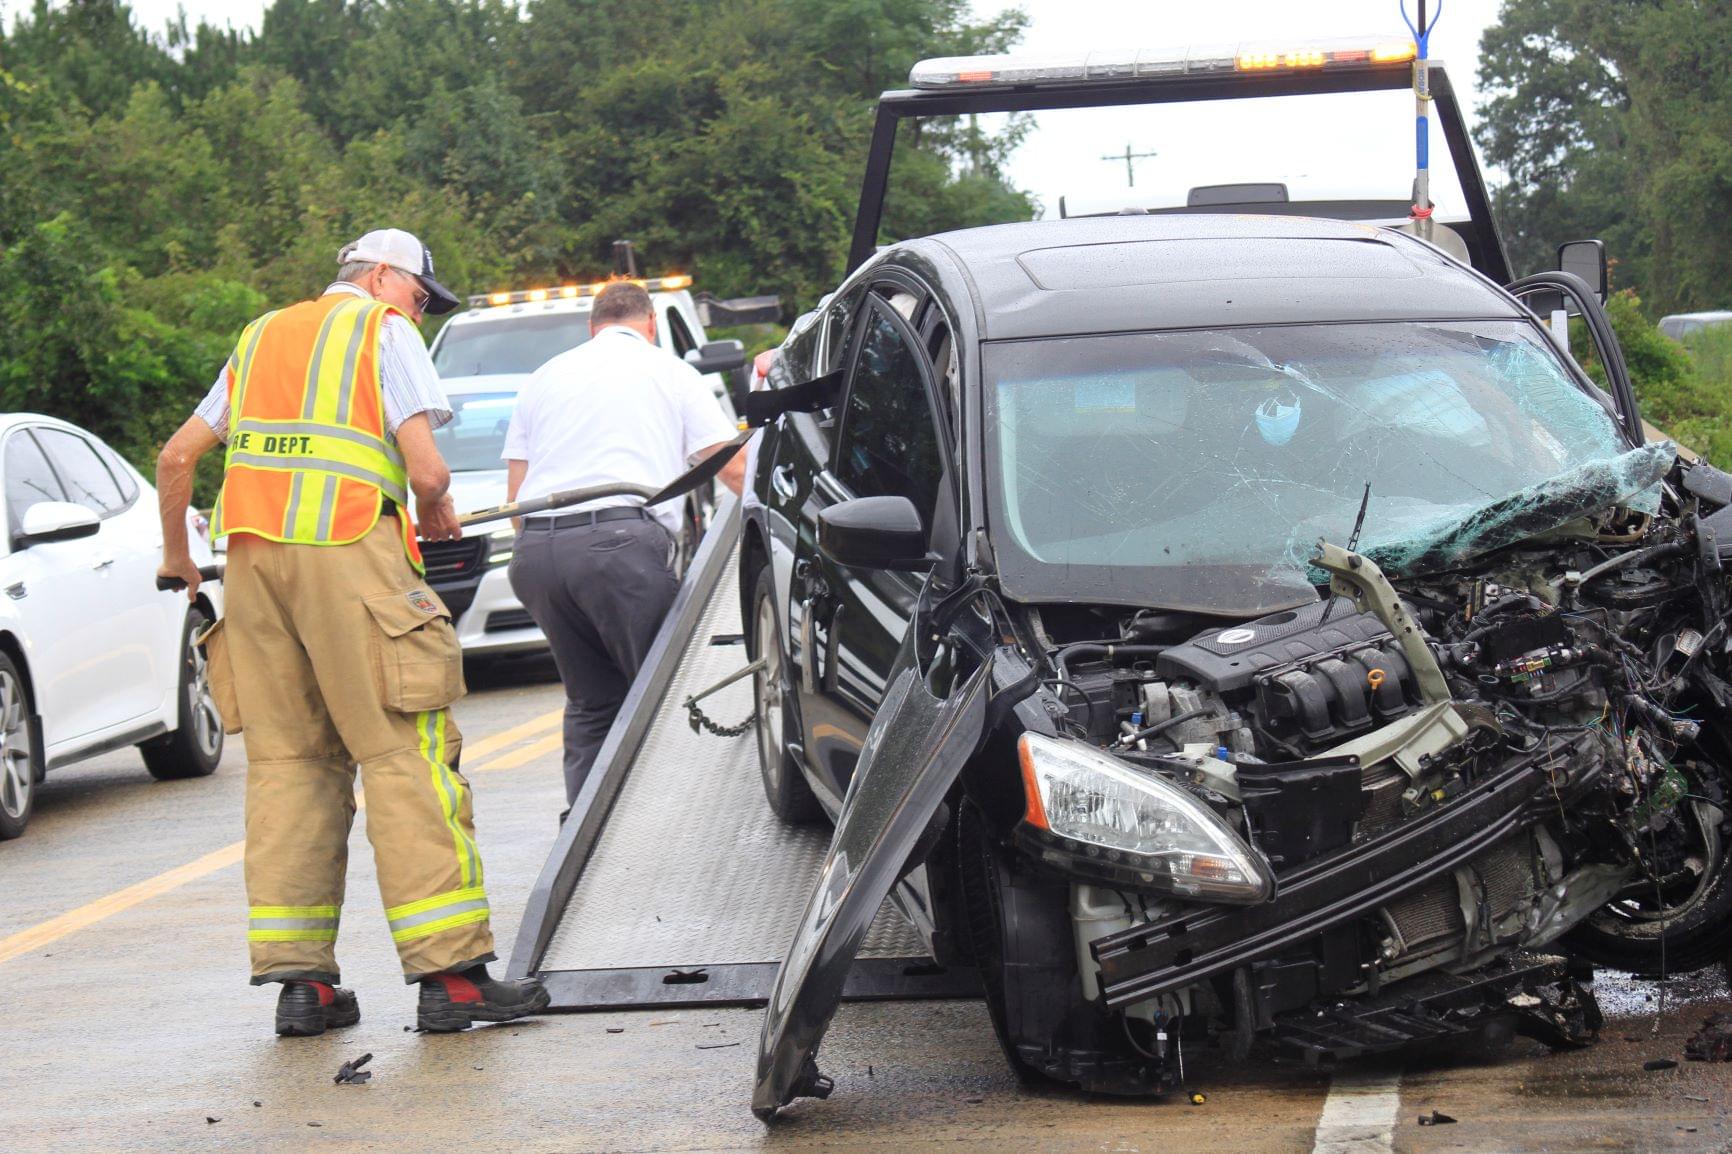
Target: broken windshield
[1196,470]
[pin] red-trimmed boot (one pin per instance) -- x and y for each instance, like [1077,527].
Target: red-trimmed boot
[456,1001]
[308,1009]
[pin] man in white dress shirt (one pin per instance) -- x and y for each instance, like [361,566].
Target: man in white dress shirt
[599,580]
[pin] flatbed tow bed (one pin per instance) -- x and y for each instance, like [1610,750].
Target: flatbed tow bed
[672,883]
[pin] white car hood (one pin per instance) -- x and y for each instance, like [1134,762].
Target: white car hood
[479,490]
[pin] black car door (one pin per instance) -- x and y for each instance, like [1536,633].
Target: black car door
[851,622]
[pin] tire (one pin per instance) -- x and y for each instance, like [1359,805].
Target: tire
[1626,934]
[1023,944]
[785,787]
[196,745]
[20,760]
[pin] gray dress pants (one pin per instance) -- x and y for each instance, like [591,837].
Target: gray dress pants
[599,592]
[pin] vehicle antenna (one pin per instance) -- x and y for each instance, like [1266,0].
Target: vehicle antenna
[1352,546]
[1422,206]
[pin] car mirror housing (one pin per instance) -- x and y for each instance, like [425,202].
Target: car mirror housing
[48,521]
[874,533]
[1586,259]
[718,357]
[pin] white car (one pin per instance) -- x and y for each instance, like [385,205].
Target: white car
[470,574]
[93,657]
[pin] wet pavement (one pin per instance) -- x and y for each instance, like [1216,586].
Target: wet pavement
[128,1024]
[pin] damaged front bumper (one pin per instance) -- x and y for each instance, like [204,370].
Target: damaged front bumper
[1164,956]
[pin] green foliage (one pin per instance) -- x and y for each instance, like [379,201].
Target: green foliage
[1686,394]
[158,188]
[1614,119]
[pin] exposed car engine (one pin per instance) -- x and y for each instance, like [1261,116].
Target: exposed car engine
[1592,659]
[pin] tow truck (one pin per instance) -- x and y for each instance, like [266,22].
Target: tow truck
[485,355]
[673,883]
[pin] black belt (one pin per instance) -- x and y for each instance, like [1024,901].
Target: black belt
[596,517]
[387,507]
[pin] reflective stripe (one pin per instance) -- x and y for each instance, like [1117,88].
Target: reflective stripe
[313,428]
[327,507]
[291,513]
[390,487]
[445,911]
[346,382]
[310,394]
[292,923]
[430,725]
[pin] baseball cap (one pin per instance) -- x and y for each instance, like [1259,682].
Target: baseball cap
[405,252]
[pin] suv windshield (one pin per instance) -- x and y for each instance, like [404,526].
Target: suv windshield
[1196,470]
[475,436]
[508,344]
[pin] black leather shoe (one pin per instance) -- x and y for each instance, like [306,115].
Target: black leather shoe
[308,1009]
[451,1002]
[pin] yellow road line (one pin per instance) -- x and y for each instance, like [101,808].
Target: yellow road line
[512,736]
[103,908]
[528,753]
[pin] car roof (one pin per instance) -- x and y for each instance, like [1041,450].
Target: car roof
[1712,315]
[1140,272]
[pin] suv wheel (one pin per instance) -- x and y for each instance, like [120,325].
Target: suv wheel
[785,788]
[18,754]
[196,745]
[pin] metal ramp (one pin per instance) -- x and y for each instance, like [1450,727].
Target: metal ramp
[671,882]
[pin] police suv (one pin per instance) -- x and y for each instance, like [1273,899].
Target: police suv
[485,355]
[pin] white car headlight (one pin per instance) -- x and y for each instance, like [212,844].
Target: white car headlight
[1105,816]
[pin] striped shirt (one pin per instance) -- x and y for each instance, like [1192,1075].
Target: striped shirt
[406,371]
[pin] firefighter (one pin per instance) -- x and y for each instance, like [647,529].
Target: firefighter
[333,651]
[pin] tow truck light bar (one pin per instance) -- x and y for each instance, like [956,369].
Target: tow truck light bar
[973,72]
[574,291]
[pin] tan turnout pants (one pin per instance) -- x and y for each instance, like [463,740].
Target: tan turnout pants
[328,656]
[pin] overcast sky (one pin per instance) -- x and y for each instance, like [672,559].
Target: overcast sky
[1322,146]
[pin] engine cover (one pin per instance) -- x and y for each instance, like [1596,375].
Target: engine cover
[1320,680]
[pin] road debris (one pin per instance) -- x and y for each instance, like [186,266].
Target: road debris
[1713,1042]
[1436,1118]
[1659,1064]
[616,1029]
[209,1121]
[1197,1099]
[351,1074]
[715,1045]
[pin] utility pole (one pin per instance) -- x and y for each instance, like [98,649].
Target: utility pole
[1128,157]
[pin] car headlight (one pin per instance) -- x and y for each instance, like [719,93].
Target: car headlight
[1092,812]
[499,543]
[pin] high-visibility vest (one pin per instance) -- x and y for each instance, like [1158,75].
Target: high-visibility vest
[307,455]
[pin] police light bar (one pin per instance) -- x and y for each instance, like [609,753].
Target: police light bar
[574,291]
[972,72]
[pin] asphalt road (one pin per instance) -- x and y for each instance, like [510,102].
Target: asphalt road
[126,1023]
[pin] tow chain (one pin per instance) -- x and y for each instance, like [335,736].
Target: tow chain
[699,720]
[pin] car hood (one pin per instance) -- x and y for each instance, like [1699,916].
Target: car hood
[479,490]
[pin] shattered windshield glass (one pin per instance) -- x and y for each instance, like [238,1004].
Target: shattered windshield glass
[1196,470]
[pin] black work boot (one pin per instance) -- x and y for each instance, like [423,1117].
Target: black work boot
[456,1001]
[307,1009]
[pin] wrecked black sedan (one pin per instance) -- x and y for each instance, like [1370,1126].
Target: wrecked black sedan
[1236,628]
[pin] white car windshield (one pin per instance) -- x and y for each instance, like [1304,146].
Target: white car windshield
[1197,470]
[519,344]
[475,436]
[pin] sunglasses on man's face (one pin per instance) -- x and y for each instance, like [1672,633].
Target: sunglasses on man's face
[422,297]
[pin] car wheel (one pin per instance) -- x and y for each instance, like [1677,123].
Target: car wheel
[18,754]
[196,745]
[785,788]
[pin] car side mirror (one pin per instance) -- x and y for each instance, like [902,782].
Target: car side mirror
[48,521]
[874,533]
[718,357]
[1586,259]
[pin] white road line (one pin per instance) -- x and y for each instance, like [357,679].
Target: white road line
[1359,1114]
